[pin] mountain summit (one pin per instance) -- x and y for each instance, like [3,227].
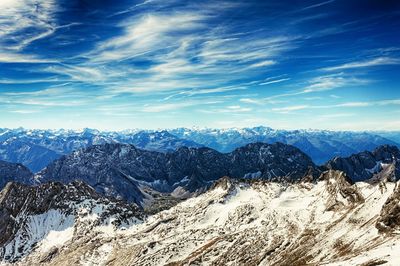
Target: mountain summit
[119,170]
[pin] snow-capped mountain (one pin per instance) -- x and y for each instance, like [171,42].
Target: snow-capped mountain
[121,170]
[37,148]
[320,145]
[253,222]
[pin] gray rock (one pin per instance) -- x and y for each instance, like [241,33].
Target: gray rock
[119,170]
[363,165]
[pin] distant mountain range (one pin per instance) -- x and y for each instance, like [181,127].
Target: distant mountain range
[320,145]
[125,172]
[37,148]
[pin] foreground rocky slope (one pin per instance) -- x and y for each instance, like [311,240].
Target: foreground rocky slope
[121,170]
[43,218]
[249,222]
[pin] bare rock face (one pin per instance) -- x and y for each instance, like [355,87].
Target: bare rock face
[14,172]
[363,166]
[342,192]
[389,220]
[30,214]
[120,170]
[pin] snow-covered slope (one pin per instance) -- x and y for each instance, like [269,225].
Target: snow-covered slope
[45,218]
[330,222]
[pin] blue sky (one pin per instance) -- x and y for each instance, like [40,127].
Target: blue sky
[327,64]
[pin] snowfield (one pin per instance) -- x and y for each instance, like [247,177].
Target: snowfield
[242,223]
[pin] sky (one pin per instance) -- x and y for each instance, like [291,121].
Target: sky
[113,65]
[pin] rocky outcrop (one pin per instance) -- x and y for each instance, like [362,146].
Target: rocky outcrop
[14,172]
[389,219]
[363,166]
[29,214]
[342,193]
[120,170]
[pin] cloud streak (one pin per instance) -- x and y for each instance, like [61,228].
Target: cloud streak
[380,61]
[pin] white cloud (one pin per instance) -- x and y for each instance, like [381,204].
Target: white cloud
[250,101]
[10,57]
[288,109]
[263,63]
[185,53]
[317,5]
[17,16]
[232,109]
[148,33]
[24,111]
[77,73]
[367,63]
[157,108]
[338,105]
[274,81]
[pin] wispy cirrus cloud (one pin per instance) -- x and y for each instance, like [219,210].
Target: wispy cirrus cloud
[269,81]
[330,82]
[380,61]
[151,58]
[51,97]
[179,58]
[157,108]
[317,5]
[12,57]
[24,111]
[22,23]
[25,21]
[318,84]
[290,108]
[230,109]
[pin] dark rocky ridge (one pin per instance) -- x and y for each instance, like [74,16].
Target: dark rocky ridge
[365,165]
[14,172]
[37,148]
[117,169]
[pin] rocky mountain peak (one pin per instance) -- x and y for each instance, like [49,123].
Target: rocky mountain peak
[387,153]
[120,170]
[389,219]
[364,165]
[14,172]
[30,214]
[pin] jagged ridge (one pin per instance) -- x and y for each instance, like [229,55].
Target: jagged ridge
[119,170]
[31,217]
